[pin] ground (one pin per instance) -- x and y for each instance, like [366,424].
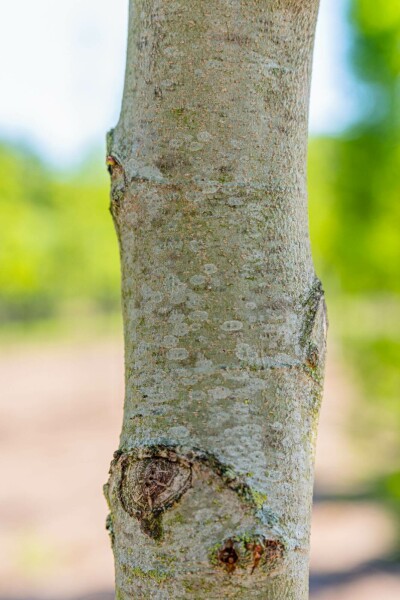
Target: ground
[59,425]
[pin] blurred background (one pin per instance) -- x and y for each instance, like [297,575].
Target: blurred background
[61,359]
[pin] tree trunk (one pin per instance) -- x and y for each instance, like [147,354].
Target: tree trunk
[210,491]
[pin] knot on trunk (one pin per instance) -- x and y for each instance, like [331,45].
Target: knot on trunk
[151,485]
[118,180]
[250,552]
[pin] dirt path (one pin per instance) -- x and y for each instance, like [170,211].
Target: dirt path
[59,423]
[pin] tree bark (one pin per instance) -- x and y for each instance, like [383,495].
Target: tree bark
[224,319]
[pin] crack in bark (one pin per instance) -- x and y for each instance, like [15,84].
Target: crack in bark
[313,334]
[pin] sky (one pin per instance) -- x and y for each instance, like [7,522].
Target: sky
[62,68]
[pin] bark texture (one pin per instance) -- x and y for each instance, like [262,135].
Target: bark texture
[210,491]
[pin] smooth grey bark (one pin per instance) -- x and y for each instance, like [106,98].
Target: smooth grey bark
[210,491]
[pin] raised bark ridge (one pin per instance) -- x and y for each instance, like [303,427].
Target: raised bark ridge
[210,490]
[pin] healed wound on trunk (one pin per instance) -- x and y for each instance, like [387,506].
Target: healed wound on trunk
[149,481]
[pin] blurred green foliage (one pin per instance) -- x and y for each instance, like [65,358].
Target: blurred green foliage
[58,248]
[375,58]
[355,213]
[354,178]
